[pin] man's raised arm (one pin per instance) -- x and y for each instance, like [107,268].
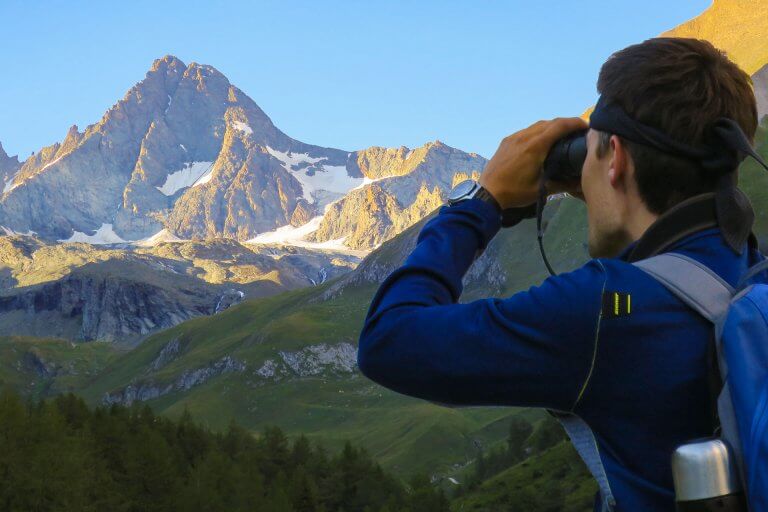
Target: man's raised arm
[535,348]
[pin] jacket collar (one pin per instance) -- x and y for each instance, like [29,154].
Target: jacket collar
[690,216]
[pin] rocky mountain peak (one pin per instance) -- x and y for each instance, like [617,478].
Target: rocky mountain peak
[71,141]
[8,164]
[167,62]
[4,156]
[204,75]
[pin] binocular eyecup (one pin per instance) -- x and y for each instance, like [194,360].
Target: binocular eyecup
[565,159]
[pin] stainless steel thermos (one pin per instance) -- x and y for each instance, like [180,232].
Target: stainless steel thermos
[705,478]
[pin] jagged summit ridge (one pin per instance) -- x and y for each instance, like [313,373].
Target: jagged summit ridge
[9,166]
[187,153]
[115,172]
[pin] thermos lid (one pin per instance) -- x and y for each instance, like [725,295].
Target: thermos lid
[703,469]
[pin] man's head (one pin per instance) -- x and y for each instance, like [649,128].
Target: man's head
[681,87]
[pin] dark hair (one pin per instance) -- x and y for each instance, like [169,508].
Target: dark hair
[680,86]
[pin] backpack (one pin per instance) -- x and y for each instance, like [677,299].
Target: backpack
[740,320]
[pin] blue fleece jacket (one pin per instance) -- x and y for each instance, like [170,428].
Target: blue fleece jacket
[636,373]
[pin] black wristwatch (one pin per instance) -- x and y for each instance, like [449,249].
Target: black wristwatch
[470,189]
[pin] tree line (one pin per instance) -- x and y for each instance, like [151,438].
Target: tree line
[60,455]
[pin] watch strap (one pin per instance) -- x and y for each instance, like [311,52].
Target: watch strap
[509,216]
[486,196]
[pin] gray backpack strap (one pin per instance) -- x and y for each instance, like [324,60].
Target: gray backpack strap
[585,443]
[703,290]
[693,283]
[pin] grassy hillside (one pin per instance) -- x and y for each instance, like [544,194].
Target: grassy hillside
[404,434]
[38,367]
[555,481]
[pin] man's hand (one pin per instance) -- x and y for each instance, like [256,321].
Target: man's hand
[512,175]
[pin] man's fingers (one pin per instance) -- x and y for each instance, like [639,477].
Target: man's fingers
[560,127]
[543,134]
[529,132]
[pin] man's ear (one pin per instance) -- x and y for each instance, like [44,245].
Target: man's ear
[619,166]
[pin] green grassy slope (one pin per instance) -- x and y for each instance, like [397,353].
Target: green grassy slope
[405,434]
[555,481]
[38,367]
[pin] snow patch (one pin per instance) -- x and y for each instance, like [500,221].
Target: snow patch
[243,127]
[161,236]
[290,235]
[50,163]
[287,234]
[329,178]
[194,173]
[10,232]
[104,235]
[9,184]
[367,181]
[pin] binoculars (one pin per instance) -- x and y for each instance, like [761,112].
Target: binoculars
[566,158]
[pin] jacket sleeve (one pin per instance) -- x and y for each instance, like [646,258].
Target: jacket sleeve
[535,348]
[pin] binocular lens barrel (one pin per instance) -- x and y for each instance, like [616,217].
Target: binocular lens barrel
[566,157]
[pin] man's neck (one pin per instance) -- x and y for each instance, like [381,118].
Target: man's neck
[639,222]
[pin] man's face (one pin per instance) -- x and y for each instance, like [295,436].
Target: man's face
[605,211]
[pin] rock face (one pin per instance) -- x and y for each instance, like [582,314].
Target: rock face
[143,391]
[417,184]
[90,307]
[84,292]
[9,166]
[322,358]
[314,360]
[760,81]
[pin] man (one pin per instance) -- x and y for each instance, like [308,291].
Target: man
[606,342]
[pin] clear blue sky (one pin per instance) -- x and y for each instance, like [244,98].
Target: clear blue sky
[341,74]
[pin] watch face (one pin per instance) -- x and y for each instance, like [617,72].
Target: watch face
[462,189]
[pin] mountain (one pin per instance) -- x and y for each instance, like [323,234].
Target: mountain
[184,192]
[737,27]
[85,292]
[183,149]
[187,155]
